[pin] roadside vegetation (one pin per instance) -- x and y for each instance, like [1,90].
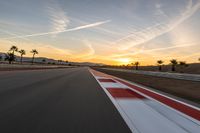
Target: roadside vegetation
[174,65]
[34,52]
[15,59]
[136,64]
[22,52]
[16,56]
[160,63]
[11,57]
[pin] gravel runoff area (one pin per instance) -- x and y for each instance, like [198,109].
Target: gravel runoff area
[188,90]
[12,67]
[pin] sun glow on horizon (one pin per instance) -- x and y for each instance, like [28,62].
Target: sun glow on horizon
[124,61]
[121,34]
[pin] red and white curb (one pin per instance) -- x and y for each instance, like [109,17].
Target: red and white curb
[146,111]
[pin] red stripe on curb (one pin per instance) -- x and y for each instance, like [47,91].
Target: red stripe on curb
[100,74]
[124,93]
[107,80]
[192,112]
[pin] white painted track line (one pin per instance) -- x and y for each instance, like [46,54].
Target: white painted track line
[146,115]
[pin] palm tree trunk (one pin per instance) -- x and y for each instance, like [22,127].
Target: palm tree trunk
[160,68]
[33,58]
[21,59]
[173,67]
[136,67]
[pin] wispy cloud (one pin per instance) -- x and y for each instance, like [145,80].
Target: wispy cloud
[90,25]
[67,30]
[109,32]
[12,34]
[158,29]
[12,42]
[63,52]
[165,48]
[89,53]
[141,51]
[159,11]
[91,50]
[58,18]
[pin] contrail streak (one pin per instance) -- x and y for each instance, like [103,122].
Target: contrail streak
[56,32]
[151,33]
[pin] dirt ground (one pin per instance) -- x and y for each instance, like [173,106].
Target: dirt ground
[189,90]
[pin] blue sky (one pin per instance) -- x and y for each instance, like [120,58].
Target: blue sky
[106,31]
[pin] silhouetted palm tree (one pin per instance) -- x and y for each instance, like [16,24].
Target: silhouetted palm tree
[174,63]
[160,62]
[34,52]
[10,57]
[13,49]
[183,64]
[43,60]
[22,52]
[199,59]
[136,65]
[1,57]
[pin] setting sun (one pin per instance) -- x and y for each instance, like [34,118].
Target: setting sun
[100,66]
[123,60]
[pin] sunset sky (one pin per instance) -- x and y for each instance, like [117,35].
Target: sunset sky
[103,31]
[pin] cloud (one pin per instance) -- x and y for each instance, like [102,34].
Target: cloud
[159,12]
[12,34]
[165,48]
[155,49]
[59,19]
[109,32]
[89,52]
[90,25]
[158,29]
[12,42]
[67,30]
[58,51]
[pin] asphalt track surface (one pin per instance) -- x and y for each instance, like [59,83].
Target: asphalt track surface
[56,101]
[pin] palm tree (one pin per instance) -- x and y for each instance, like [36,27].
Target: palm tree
[136,65]
[160,62]
[22,52]
[183,64]
[10,57]
[1,57]
[34,52]
[44,60]
[13,49]
[199,59]
[174,63]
